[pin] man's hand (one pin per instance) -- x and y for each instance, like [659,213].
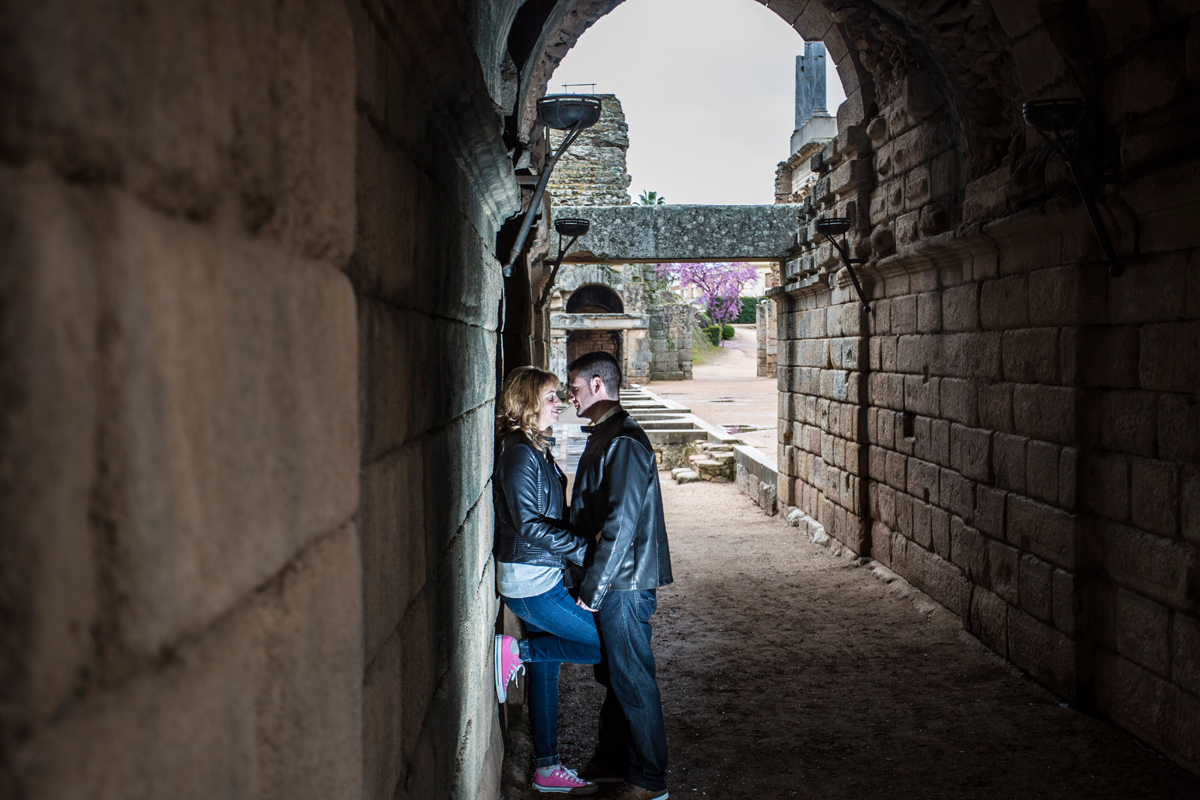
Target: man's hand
[585,606]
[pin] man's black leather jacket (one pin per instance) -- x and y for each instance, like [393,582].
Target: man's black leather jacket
[616,494]
[529,491]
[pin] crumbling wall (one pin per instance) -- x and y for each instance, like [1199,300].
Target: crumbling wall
[593,172]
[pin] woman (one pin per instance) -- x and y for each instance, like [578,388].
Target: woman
[533,545]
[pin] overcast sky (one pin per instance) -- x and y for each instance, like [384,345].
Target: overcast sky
[708,88]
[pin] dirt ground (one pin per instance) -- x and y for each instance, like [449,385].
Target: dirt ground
[788,671]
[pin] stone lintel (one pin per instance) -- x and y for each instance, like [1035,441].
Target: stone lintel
[598,322]
[651,234]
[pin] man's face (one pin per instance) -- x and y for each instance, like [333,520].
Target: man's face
[584,394]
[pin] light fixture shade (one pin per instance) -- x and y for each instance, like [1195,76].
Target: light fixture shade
[572,226]
[563,111]
[1058,114]
[833,226]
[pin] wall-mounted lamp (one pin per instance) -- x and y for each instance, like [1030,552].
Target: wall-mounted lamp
[831,227]
[1050,118]
[567,226]
[562,112]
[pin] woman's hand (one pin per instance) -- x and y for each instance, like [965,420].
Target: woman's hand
[585,606]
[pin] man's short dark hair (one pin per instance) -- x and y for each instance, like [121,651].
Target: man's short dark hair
[602,365]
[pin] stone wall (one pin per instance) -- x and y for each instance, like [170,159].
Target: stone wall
[1005,427]
[767,336]
[671,330]
[245,511]
[592,171]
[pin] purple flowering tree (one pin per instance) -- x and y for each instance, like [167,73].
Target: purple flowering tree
[720,285]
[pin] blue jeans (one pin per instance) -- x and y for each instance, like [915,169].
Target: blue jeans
[557,631]
[632,738]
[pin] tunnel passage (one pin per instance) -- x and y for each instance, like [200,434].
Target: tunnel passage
[250,352]
[594,298]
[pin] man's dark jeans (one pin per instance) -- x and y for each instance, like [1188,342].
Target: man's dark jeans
[633,738]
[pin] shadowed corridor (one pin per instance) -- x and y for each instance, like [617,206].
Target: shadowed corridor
[789,669]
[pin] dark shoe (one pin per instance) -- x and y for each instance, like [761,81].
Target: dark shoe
[627,791]
[597,775]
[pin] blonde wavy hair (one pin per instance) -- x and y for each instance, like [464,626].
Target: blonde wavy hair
[521,403]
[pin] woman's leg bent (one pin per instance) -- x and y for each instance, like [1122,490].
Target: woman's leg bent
[565,631]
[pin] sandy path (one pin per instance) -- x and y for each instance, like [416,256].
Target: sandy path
[789,672]
[728,391]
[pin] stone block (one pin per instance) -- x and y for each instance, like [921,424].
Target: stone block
[1189,504]
[1066,296]
[1142,631]
[1042,465]
[989,511]
[1179,427]
[1031,355]
[957,494]
[1036,588]
[1068,470]
[969,550]
[1145,81]
[929,312]
[184,131]
[944,172]
[975,355]
[1185,641]
[1156,291]
[852,177]
[1169,358]
[1155,495]
[996,406]
[923,480]
[971,452]
[989,620]
[1106,490]
[916,187]
[393,500]
[1044,652]
[1045,412]
[1108,356]
[904,314]
[51,374]
[1125,421]
[1004,303]
[1043,530]
[1003,575]
[271,692]
[921,395]
[1159,568]
[398,263]
[960,308]
[939,526]
[1065,602]
[236,426]
[1009,461]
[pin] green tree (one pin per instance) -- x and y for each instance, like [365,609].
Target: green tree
[652,199]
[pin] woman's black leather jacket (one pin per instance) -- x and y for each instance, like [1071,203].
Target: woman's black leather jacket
[529,491]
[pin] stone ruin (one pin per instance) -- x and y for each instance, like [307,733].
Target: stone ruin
[254,323]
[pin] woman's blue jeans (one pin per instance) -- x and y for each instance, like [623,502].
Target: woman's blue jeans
[557,631]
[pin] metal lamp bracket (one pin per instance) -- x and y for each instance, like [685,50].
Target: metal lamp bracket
[831,228]
[1050,118]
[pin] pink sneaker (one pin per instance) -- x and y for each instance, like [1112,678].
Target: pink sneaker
[508,664]
[563,781]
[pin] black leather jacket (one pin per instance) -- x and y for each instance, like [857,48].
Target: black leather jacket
[529,491]
[616,494]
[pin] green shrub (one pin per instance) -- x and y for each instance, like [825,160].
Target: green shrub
[713,332]
[727,332]
[749,311]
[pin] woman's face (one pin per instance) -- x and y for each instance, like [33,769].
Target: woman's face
[548,414]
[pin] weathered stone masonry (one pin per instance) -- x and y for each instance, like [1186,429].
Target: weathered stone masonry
[250,297]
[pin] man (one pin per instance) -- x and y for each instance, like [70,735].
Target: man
[616,504]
